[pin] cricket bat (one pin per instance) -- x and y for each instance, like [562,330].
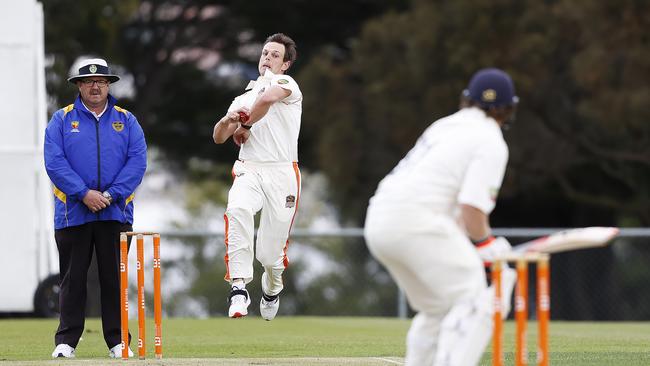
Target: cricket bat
[570,239]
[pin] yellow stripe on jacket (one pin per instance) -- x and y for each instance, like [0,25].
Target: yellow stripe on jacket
[60,195]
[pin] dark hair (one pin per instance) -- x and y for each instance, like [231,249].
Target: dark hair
[502,114]
[289,46]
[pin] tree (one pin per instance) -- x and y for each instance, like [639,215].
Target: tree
[581,131]
[579,149]
[74,29]
[188,59]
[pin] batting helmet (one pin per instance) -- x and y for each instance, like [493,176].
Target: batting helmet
[491,88]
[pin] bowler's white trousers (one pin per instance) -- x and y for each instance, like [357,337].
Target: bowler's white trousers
[438,268]
[273,188]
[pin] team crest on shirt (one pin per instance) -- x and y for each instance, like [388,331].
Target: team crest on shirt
[75,126]
[291,201]
[118,126]
[283,81]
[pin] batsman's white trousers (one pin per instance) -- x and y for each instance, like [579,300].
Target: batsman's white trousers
[432,260]
[273,188]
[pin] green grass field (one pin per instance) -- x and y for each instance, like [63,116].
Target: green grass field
[312,341]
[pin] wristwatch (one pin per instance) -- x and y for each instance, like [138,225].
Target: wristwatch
[108,196]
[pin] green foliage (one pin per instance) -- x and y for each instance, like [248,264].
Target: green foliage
[167,48]
[180,121]
[206,190]
[582,129]
[74,29]
[354,285]
[372,86]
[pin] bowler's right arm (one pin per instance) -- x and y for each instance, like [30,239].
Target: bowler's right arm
[225,127]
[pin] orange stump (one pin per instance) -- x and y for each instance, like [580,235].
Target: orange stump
[543,310]
[141,312]
[497,336]
[124,294]
[521,313]
[157,298]
[521,307]
[124,298]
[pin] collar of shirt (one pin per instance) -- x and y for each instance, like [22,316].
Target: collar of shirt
[268,75]
[97,116]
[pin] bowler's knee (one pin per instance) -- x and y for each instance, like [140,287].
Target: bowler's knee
[239,214]
[271,260]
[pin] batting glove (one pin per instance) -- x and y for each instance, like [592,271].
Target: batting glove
[492,248]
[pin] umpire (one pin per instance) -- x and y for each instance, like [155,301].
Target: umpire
[96,156]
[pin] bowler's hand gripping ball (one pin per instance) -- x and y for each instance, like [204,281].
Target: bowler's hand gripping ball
[243,117]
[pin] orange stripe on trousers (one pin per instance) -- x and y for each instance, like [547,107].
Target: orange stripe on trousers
[225,221]
[286,245]
[225,258]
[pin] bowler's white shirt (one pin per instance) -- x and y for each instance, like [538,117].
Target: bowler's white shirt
[459,159]
[274,138]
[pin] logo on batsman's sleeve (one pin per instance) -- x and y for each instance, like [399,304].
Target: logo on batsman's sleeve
[494,192]
[283,81]
[291,201]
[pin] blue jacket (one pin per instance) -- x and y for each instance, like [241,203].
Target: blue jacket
[82,153]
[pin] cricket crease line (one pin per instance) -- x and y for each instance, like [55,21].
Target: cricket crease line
[389,361]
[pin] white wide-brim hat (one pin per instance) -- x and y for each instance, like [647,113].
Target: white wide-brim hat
[94,67]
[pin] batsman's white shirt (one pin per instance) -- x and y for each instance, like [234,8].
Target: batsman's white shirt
[267,178]
[411,225]
[459,159]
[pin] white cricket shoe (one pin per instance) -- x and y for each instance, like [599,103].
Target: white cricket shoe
[63,350]
[239,301]
[116,351]
[269,305]
[268,309]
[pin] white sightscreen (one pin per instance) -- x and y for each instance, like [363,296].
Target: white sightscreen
[25,232]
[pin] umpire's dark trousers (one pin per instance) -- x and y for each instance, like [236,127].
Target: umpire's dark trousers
[76,245]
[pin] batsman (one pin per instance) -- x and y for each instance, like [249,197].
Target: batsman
[428,224]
